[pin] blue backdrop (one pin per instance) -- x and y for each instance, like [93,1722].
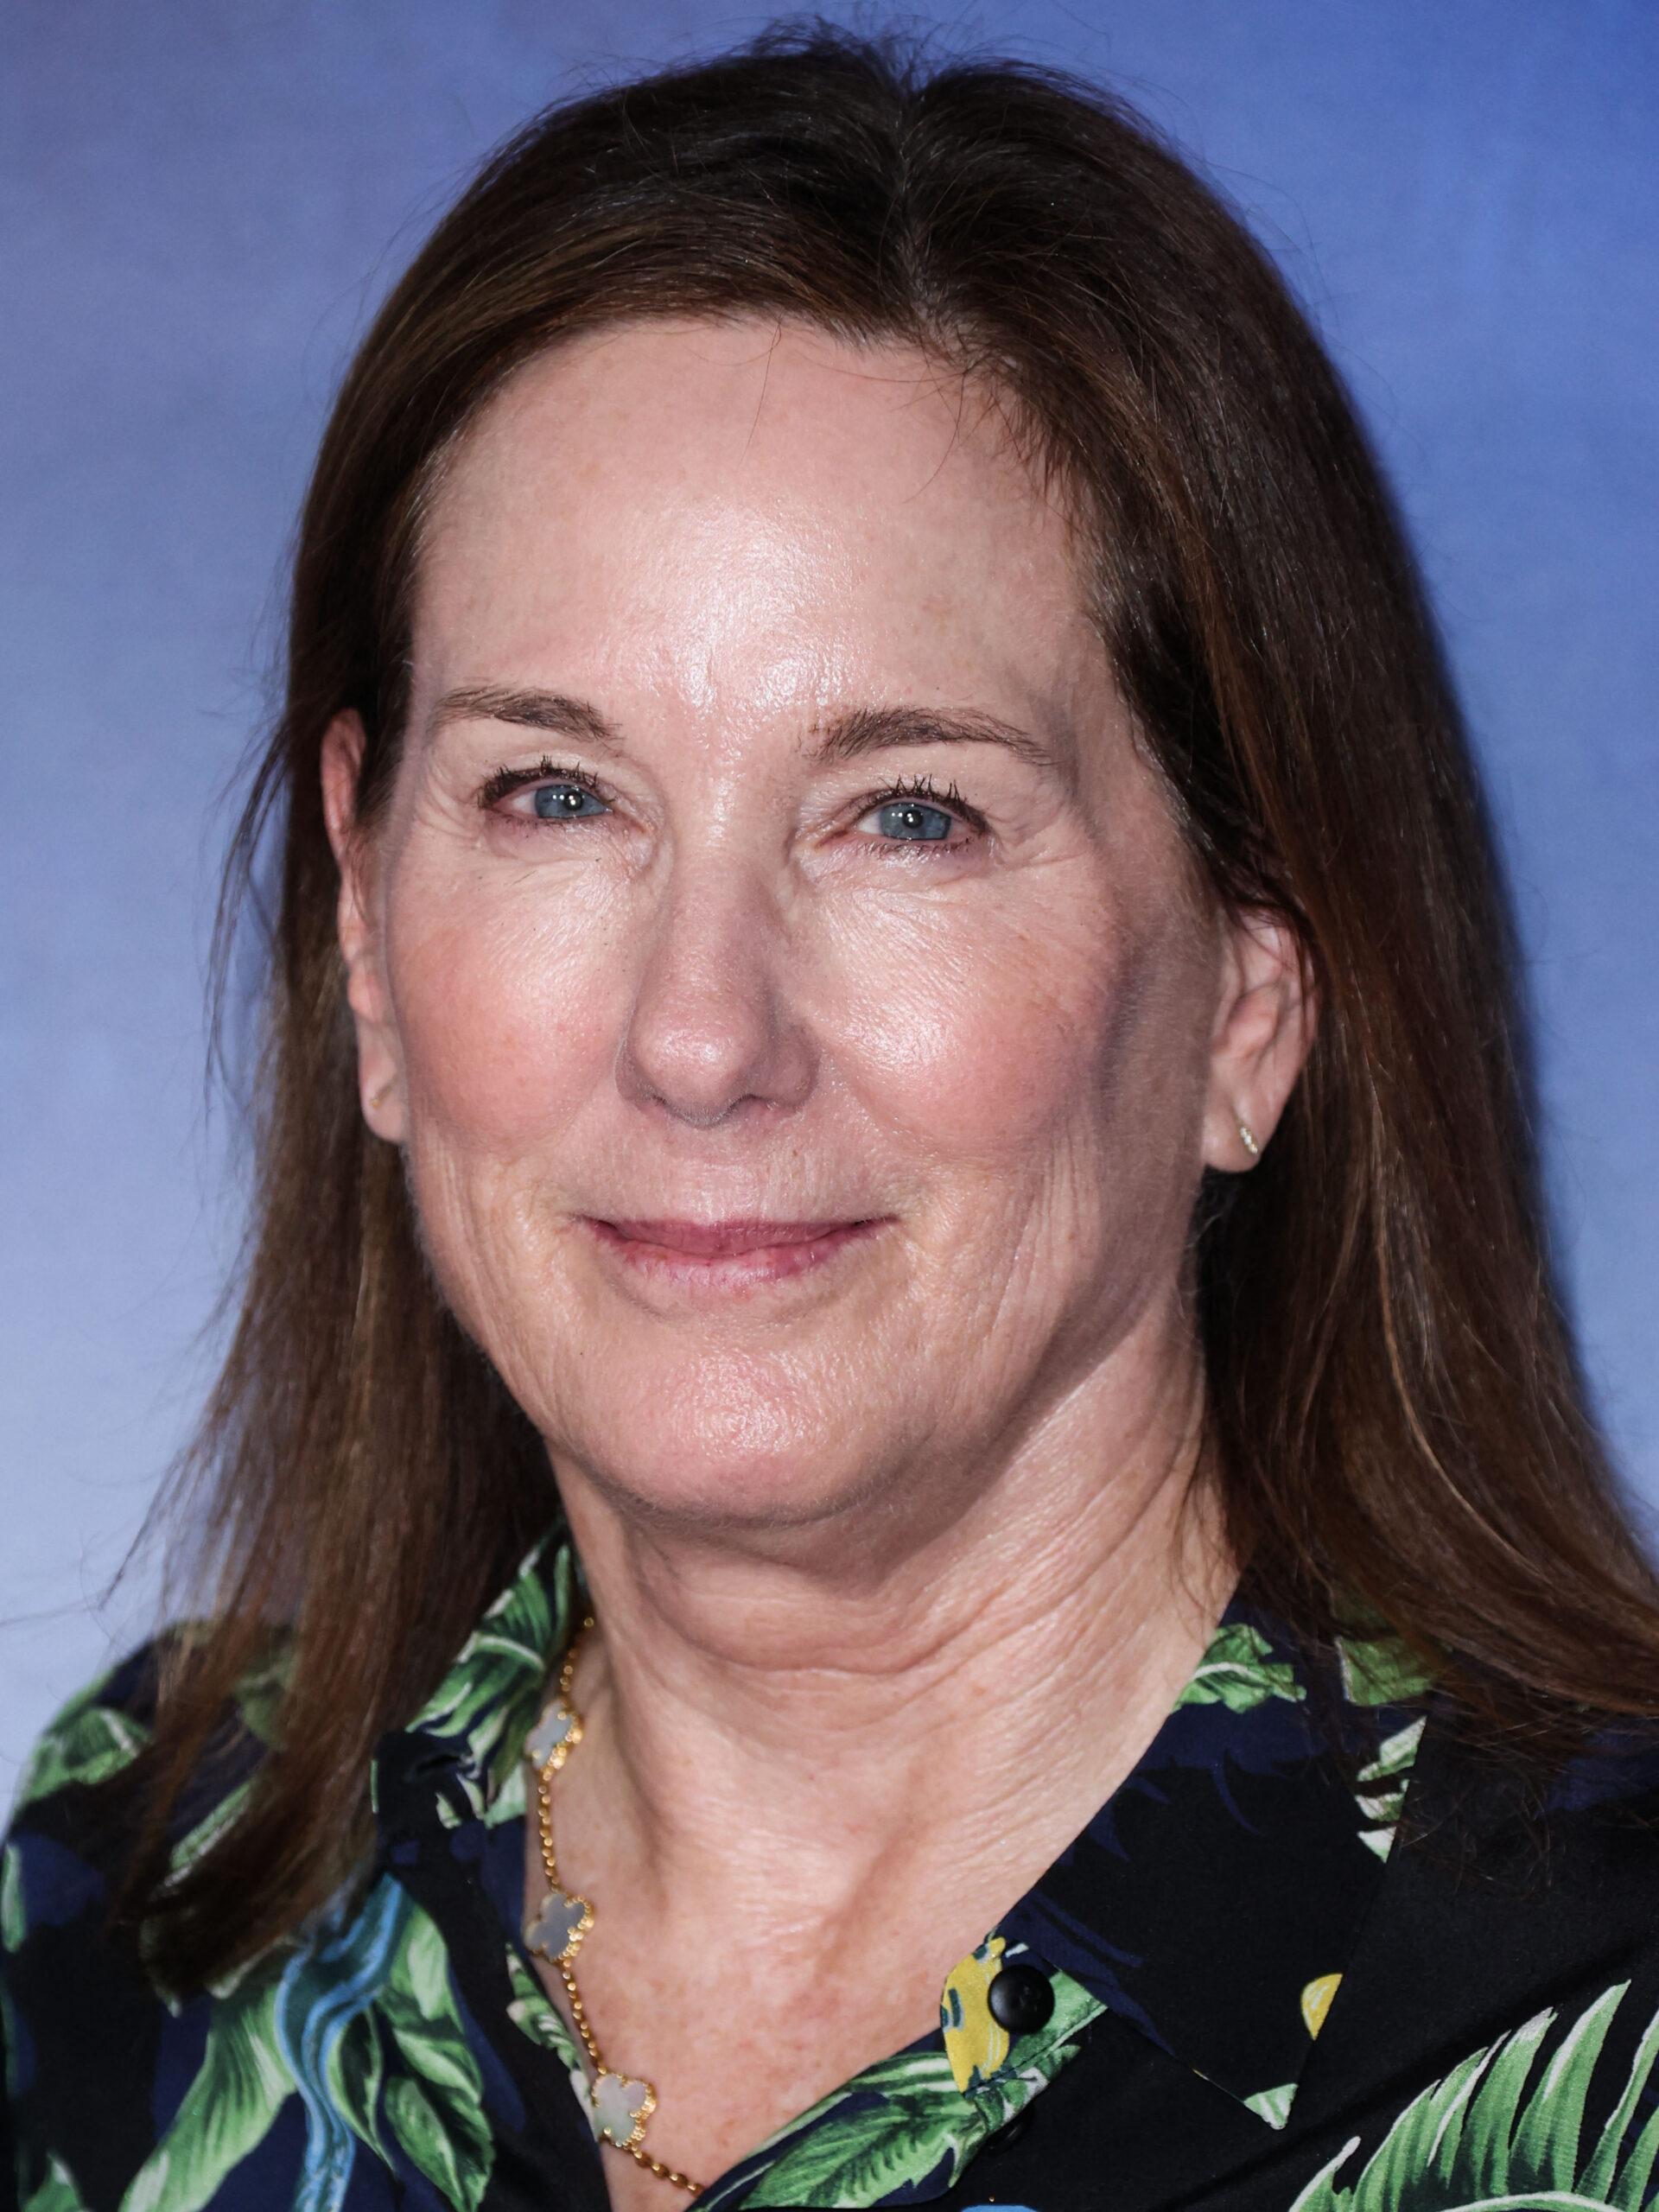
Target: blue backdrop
[203,204]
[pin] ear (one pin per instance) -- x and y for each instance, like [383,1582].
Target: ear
[1265,1019]
[379,1062]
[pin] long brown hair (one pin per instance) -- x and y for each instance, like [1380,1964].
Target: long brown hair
[1398,1426]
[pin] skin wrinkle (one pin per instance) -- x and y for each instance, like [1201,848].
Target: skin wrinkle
[927,1520]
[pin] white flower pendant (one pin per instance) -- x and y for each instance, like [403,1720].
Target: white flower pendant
[558,1928]
[558,1731]
[621,2108]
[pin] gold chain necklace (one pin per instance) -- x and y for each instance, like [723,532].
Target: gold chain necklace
[622,2104]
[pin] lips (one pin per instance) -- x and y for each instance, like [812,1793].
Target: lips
[719,1240]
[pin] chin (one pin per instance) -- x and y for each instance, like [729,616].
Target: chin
[724,1474]
[732,1491]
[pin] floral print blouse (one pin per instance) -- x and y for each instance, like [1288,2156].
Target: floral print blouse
[1250,1985]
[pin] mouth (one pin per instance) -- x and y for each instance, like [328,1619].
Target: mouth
[717,1240]
[728,1253]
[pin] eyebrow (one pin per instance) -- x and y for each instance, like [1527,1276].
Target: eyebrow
[846,736]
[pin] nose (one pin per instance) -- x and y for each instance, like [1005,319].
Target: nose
[714,1020]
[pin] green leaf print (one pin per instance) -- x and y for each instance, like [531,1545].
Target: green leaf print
[355,2070]
[227,2111]
[87,1743]
[997,2101]
[437,2109]
[533,2012]
[906,2114]
[1476,2141]
[57,2193]
[261,1688]
[913,2070]
[1381,1793]
[13,1923]
[491,1693]
[861,2156]
[512,1801]
[1381,1671]
[196,1842]
[419,2121]
[1274,2105]
[1236,1672]
[1074,2008]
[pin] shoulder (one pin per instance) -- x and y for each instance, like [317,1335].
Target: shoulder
[70,1815]
[1510,1809]
[1516,1880]
[1495,2039]
[79,2008]
[97,1732]
[1499,1836]
[353,2048]
[74,1817]
[1613,1778]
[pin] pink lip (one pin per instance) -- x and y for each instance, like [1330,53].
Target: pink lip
[726,1255]
[715,1239]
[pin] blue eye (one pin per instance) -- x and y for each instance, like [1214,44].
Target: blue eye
[914,811]
[912,823]
[563,802]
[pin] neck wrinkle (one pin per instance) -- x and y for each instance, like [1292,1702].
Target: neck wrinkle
[801,1732]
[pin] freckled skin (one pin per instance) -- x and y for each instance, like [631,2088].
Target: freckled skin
[860,1540]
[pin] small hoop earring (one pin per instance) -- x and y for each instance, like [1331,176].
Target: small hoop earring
[1247,1137]
[378,1098]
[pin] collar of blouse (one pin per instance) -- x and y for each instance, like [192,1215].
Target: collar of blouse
[1212,1902]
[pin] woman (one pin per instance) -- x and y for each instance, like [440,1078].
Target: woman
[900,1514]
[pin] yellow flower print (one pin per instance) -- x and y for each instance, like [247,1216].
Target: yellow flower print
[1316,2000]
[974,2043]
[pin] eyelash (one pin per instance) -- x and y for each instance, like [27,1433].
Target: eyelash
[506,781]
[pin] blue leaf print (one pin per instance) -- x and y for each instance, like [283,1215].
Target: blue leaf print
[321,1993]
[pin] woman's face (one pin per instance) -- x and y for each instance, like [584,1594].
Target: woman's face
[638,939]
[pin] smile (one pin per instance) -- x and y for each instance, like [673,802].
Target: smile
[726,1255]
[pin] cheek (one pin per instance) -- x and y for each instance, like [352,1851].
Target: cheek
[502,1012]
[991,1039]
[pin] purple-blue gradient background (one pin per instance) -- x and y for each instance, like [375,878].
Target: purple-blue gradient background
[203,204]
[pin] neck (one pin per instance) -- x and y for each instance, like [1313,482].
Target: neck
[786,1713]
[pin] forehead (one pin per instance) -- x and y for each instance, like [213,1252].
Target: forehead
[668,501]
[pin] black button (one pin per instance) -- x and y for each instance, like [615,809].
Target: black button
[1010,2132]
[1022,1999]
